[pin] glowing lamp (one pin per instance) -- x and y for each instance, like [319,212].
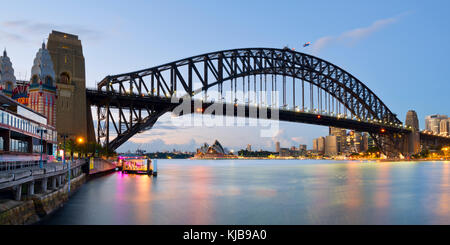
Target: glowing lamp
[80,140]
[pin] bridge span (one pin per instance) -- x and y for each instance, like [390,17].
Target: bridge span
[300,87]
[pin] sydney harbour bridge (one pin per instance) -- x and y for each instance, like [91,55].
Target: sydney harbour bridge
[299,87]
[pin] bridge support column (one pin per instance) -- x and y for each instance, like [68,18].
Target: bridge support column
[53,183]
[59,180]
[18,192]
[31,188]
[44,185]
[413,143]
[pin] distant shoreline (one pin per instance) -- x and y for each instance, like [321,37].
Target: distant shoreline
[328,159]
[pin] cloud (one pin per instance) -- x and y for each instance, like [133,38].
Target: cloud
[11,37]
[25,30]
[354,35]
[158,145]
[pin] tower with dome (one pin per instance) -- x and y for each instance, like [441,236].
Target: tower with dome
[42,88]
[7,78]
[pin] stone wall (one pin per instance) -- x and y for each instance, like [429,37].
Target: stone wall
[21,213]
[40,205]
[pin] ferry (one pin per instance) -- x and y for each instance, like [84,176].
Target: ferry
[138,164]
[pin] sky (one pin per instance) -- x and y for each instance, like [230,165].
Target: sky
[399,49]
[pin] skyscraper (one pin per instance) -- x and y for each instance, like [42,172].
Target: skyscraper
[433,123]
[444,127]
[412,120]
[277,146]
[341,135]
[319,145]
[331,145]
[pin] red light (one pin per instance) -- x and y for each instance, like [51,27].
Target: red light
[383,130]
[319,116]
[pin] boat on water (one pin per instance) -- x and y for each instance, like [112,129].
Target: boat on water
[137,164]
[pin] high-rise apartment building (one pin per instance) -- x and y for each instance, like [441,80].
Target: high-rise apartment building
[331,145]
[433,123]
[341,135]
[444,127]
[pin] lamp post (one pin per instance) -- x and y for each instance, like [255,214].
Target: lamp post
[41,131]
[64,136]
[80,141]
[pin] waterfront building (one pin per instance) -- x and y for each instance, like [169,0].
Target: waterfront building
[27,108]
[249,147]
[302,147]
[7,78]
[433,123]
[20,137]
[292,152]
[319,145]
[365,142]
[212,151]
[42,88]
[354,142]
[284,152]
[277,146]
[444,127]
[412,120]
[331,145]
[341,135]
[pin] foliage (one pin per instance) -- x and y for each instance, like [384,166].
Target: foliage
[86,149]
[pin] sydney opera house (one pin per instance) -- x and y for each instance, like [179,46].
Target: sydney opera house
[213,151]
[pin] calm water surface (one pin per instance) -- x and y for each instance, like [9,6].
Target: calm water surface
[266,192]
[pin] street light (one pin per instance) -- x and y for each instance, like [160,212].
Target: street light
[41,131]
[80,140]
[64,136]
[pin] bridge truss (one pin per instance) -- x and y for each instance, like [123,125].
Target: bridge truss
[261,77]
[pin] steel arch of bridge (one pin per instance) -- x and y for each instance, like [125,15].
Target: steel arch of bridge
[216,68]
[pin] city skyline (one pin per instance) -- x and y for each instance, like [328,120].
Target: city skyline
[354,43]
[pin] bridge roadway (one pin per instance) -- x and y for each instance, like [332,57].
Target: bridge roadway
[136,101]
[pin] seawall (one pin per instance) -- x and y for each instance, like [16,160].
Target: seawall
[32,210]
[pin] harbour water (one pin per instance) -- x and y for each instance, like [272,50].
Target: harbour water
[266,192]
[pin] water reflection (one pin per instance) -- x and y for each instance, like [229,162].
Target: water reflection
[443,207]
[267,192]
[201,207]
